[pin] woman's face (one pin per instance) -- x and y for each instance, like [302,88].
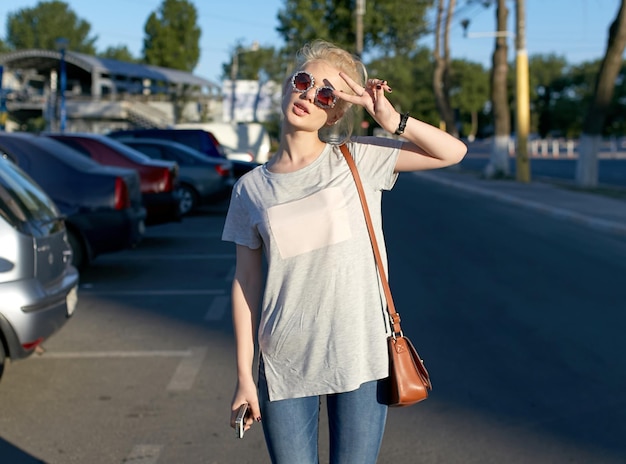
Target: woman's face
[300,109]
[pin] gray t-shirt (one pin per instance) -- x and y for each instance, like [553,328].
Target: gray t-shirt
[323,324]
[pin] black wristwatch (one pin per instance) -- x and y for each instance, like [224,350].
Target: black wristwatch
[403,119]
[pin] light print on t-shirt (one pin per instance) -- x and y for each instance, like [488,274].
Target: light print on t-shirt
[314,222]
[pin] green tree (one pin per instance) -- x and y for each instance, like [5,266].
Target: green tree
[389,26]
[409,73]
[604,90]
[469,94]
[42,25]
[120,53]
[442,74]
[499,163]
[172,36]
[547,74]
[262,62]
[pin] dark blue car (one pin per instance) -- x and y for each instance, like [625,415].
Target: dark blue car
[198,139]
[102,204]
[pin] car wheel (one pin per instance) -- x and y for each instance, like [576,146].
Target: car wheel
[188,199]
[79,257]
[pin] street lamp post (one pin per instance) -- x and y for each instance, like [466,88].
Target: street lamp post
[61,44]
[234,71]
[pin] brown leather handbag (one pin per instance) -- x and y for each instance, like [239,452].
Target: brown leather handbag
[409,381]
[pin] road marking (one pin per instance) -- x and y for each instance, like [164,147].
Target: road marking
[172,256]
[113,354]
[175,234]
[88,290]
[144,454]
[187,370]
[217,309]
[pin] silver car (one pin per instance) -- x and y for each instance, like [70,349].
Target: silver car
[38,284]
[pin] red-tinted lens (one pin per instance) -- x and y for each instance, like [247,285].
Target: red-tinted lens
[302,81]
[324,96]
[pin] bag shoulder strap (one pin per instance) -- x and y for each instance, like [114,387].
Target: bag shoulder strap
[394,317]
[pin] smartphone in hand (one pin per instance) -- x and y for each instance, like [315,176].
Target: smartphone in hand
[240,420]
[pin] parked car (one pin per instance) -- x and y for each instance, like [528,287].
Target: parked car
[198,139]
[246,137]
[102,204]
[159,178]
[202,180]
[238,155]
[38,284]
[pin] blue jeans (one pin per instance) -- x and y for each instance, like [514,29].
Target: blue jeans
[356,421]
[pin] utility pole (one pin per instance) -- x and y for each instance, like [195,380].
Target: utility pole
[360,12]
[522,109]
[234,72]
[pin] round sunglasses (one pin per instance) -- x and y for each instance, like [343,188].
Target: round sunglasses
[303,81]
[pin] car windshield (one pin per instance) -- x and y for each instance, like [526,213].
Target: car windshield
[22,202]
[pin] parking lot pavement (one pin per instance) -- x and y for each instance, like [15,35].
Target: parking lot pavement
[588,208]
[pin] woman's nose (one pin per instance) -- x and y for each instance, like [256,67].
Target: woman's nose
[309,94]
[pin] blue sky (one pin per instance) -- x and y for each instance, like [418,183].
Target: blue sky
[576,29]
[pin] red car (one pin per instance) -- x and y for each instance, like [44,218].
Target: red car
[159,178]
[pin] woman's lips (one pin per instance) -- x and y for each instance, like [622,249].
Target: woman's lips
[300,109]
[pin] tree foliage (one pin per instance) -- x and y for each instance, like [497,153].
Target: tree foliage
[254,64]
[172,36]
[410,83]
[42,25]
[390,27]
[120,53]
[546,86]
[469,94]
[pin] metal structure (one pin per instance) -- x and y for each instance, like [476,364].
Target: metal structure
[97,92]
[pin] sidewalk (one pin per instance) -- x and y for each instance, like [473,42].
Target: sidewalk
[593,210]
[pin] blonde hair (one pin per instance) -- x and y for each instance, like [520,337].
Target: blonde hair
[320,50]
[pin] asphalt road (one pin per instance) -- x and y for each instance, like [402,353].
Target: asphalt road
[518,316]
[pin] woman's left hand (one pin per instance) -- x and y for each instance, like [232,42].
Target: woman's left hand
[372,98]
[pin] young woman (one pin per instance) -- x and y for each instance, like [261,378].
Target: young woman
[317,309]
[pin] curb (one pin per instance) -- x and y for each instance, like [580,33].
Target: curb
[603,225]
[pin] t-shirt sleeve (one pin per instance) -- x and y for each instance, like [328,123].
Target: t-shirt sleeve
[376,158]
[239,227]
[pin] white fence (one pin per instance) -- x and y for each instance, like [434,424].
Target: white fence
[568,148]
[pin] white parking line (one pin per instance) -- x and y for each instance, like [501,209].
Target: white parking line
[113,354]
[176,234]
[187,370]
[171,256]
[88,290]
[144,454]
[217,309]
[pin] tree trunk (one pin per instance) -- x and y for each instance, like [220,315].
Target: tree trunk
[587,165]
[474,126]
[499,163]
[441,74]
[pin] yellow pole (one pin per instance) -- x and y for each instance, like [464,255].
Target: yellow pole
[522,162]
